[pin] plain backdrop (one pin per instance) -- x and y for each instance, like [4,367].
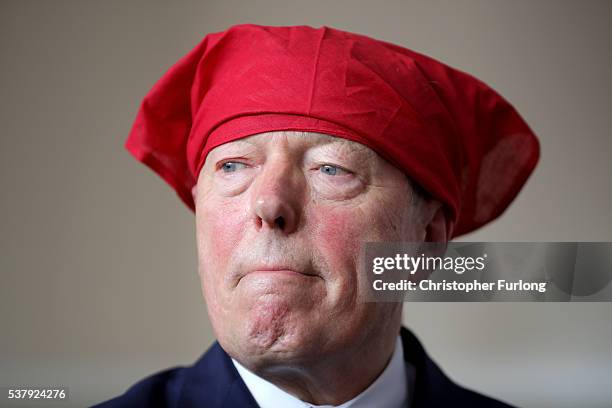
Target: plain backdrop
[98,263]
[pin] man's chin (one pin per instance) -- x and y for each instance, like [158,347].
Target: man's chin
[264,344]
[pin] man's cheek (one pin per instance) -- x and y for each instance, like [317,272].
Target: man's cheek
[219,235]
[338,236]
[222,226]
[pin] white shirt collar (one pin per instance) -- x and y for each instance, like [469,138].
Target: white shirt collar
[389,390]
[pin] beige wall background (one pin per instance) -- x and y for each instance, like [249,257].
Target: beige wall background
[98,264]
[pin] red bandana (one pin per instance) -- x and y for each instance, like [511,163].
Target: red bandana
[451,133]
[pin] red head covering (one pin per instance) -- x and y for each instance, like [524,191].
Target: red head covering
[451,133]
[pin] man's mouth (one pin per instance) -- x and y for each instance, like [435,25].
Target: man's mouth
[279,270]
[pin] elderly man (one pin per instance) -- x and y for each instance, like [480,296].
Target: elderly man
[295,146]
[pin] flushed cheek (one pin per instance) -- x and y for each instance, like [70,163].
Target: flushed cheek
[335,233]
[219,232]
[337,236]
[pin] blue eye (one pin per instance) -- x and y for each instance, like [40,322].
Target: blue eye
[330,170]
[229,167]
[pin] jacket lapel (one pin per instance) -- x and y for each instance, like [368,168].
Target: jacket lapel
[431,387]
[214,382]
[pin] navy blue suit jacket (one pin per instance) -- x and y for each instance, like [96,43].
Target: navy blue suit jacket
[214,382]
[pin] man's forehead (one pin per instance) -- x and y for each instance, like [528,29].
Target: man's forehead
[307,139]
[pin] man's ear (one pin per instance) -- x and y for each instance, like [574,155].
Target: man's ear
[437,228]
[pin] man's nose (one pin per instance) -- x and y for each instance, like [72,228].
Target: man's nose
[277,197]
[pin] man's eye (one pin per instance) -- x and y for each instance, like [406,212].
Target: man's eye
[229,167]
[332,170]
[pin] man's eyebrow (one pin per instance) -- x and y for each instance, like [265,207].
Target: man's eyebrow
[347,146]
[313,141]
[234,144]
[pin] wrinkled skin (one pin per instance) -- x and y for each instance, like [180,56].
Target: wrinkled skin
[280,220]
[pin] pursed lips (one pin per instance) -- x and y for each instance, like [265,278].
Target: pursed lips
[278,269]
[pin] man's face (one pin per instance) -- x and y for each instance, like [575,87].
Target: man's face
[281,218]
